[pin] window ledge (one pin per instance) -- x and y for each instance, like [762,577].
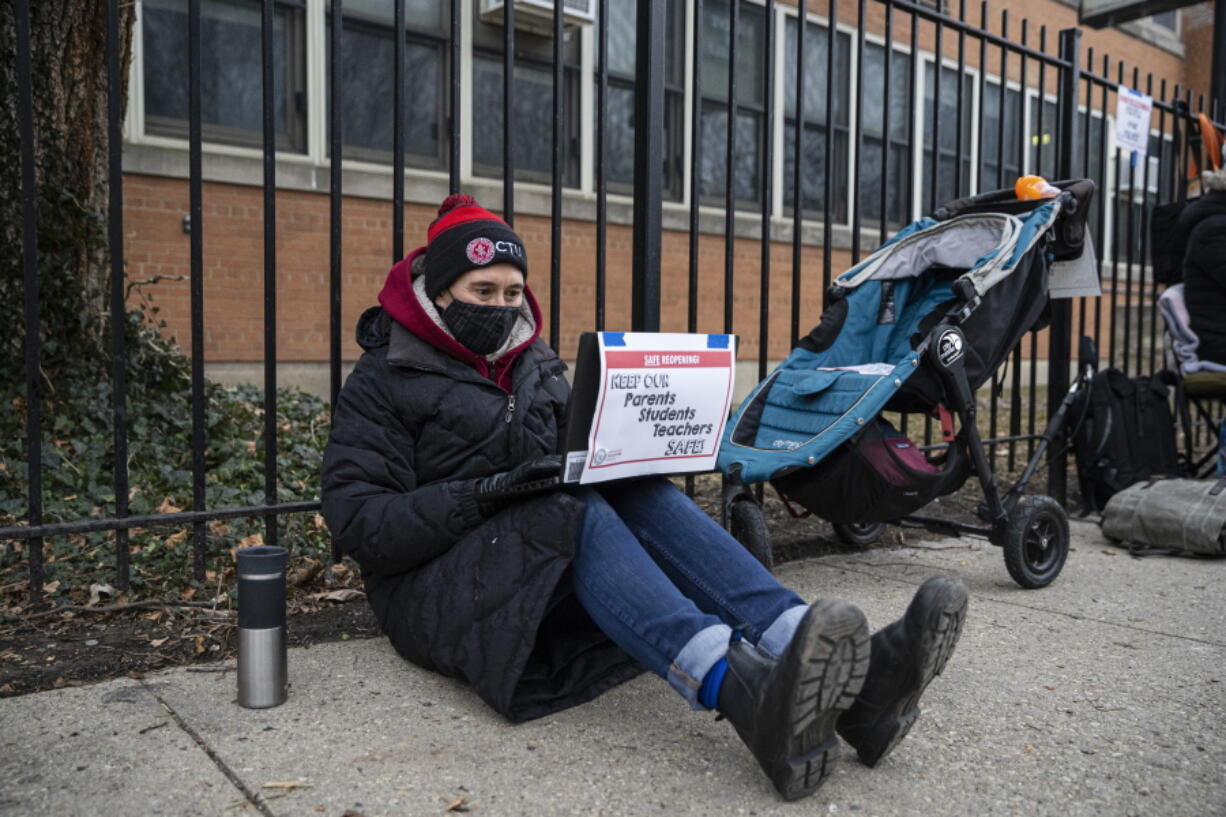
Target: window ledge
[1163,38]
[1158,36]
[297,172]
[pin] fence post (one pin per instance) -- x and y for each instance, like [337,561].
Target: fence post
[648,164]
[1060,346]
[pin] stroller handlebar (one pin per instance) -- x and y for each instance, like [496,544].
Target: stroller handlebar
[1072,192]
[1068,231]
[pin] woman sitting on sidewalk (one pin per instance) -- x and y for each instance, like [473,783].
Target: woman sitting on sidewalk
[546,601]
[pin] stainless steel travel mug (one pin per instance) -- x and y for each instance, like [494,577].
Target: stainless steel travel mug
[262,679]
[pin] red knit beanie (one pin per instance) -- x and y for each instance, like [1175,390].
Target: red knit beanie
[466,236]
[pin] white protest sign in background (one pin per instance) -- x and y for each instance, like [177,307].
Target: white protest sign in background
[663,403]
[1133,111]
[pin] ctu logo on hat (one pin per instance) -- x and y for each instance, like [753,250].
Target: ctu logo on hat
[480,251]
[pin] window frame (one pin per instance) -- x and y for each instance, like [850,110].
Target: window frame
[971,146]
[676,97]
[870,218]
[374,156]
[991,87]
[784,123]
[295,140]
[708,102]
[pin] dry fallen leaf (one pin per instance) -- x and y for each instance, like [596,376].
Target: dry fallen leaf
[176,539]
[51,587]
[346,594]
[255,540]
[168,506]
[199,641]
[157,642]
[457,804]
[288,785]
[97,591]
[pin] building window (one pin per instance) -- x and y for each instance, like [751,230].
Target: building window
[532,98]
[619,112]
[1092,129]
[873,159]
[1000,158]
[368,82]
[1167,19]
[950,185]
[747,158]
[231,77]
[1044,131]
[813,133]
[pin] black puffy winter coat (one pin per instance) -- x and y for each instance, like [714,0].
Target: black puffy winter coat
[488,601]
[1204,269]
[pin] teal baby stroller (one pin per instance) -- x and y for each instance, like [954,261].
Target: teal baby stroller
[917,326]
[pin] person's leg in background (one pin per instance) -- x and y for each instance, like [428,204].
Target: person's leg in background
[784,708]
[1221,455]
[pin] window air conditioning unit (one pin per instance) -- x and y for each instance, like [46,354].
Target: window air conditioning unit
[537,15]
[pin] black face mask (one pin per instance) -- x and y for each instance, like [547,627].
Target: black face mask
[483,329]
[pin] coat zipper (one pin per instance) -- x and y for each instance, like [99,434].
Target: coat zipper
[510,408]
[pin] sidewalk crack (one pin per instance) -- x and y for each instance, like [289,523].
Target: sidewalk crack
[253,798]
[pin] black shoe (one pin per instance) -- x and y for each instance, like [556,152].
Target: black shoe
[906,656]
[785,709]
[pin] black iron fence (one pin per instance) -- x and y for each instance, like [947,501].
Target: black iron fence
[864,152]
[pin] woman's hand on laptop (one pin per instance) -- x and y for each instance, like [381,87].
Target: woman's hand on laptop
[495,492]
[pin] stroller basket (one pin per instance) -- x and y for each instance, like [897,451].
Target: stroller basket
[878,476]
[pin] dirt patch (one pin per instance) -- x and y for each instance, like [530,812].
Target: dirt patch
[75,649]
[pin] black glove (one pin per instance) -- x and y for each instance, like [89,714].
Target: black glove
[497,491]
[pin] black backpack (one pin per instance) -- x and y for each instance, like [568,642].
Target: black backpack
[1124,434]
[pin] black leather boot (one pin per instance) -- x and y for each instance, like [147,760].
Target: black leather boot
[906,656]
[785,709]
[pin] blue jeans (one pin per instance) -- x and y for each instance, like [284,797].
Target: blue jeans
[668,585]
[1221,457]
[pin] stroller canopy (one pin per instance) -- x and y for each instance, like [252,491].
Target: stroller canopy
[832,385]
[989,246]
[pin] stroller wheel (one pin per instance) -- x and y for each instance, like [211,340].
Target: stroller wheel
[1036,541]
[859,533]
[747,524]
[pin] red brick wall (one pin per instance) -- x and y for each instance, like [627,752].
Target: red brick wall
[155,245]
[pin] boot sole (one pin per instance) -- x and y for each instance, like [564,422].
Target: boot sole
[941,632]
[833,662]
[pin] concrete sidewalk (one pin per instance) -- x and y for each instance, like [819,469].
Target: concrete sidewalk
[1104,694]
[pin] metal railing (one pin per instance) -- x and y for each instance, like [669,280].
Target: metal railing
[1074,78]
